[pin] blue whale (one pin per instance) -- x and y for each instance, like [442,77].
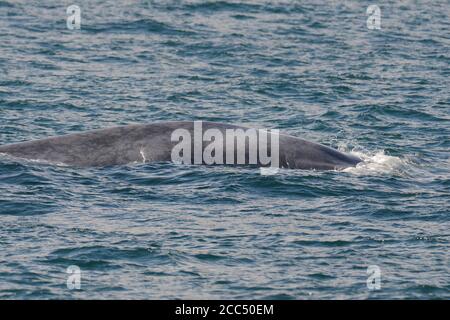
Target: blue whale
[154,143]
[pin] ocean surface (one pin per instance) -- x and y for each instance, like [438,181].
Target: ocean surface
[312,69]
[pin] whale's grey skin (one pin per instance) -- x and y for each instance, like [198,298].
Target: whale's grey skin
[152,143]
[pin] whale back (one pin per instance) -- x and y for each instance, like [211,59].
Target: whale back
[153,143]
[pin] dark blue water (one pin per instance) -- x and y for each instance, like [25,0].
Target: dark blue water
[168,231]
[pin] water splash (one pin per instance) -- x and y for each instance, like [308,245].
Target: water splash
[377,163]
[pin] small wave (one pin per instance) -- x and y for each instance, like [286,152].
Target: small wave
[6,158]
[138,26]
[6,4]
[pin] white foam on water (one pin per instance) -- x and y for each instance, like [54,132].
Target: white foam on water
[268,171]
[376,162]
